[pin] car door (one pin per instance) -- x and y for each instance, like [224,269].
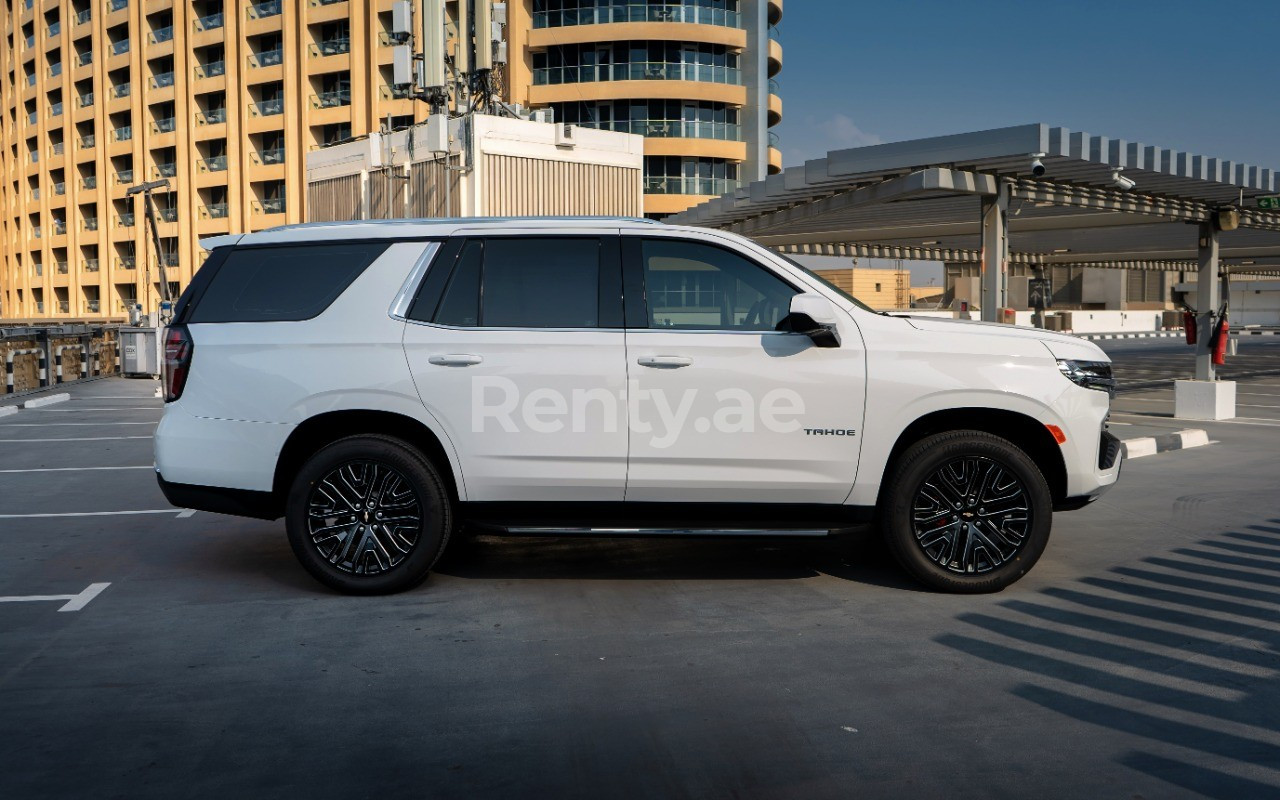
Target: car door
[723,408]
[516,346]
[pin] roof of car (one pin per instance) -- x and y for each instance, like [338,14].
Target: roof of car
[398,228]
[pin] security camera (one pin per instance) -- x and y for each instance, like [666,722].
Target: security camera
[1037,166]
[1121,182]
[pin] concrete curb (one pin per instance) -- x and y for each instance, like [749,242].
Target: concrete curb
[1250,332]
[1150,445]
[7,410]
[1093,337]
[37,402]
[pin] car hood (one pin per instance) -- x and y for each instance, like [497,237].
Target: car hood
[1061,345]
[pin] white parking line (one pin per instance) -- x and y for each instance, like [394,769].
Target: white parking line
[84,439]
[180,513]
[74,602]
[68,469]
[82,410]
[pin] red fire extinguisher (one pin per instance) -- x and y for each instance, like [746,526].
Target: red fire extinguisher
[1189,324]
[1221,333]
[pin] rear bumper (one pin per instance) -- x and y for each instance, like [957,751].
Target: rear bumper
[236,502]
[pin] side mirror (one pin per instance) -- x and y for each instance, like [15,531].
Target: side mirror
[815,317]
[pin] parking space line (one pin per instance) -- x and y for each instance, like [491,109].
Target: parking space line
[69,469]
[73,602]
[178,512]
[83,410]
[82,439]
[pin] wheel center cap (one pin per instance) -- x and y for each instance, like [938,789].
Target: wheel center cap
[968,515]
[366,516]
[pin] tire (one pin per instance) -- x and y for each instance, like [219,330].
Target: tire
[995,535]
[341,539]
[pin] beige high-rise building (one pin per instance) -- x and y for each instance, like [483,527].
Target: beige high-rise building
[223,99]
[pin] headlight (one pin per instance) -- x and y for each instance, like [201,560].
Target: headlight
[1089,374]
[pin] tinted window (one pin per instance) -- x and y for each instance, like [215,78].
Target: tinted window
[541,283]
[272,284]
[699,286]
[461,302]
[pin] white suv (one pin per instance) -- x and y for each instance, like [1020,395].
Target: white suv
[382,384]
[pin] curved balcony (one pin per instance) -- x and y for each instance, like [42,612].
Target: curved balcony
[775,12]
[638,71]
[775,106]
[775,57]
[606,13]
[638,31]
[775,157]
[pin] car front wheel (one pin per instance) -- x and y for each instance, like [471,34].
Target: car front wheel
[967,512]
[368,515]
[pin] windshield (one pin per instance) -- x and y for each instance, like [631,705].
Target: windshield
[827,283]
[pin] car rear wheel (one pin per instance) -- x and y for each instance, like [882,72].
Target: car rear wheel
[368,515]
[967,512]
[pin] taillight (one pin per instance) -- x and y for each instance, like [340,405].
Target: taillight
[178,349]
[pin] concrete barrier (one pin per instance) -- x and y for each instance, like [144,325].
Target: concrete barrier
[7,410]
[37,402]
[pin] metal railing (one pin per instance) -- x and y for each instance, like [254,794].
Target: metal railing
[35,156]
[210,22]
[116,5]
[213,164]
[91,265]
[213,116]
[270,155]
[166,125]
[169,259]
[638,71]
[122,89]
[159,35]
[394,92]
[166,169]
[775,87]
[211,70]
[86,99]
[333,99]
[679,185]
[60,188]
[31,79]
[61,267]
[270,8]
[93,306]
[168,214]
[85,58]
[35,193]
[119,48]
[37,232]
[88,141]
[33,118]
[84,16]
[55,69]
[330,47]
[273,205]
[774,140]
[31,41]
[267,108]
[638,12]
[55,30]
[214,211]
[671,128]
[55,109]
[125,220]
[126,262]
[38,268]
[267,58]
[162,80]
[59,228]
[89,181]
[90,223]
[58,148]
[124,176]
[64,306]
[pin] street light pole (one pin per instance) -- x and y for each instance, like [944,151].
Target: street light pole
[145,189]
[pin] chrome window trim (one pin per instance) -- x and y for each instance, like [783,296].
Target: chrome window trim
[404,298]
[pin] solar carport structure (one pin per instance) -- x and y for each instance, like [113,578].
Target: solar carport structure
[1031,194]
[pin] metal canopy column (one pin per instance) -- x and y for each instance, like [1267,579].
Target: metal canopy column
[995,252]
[1209,297]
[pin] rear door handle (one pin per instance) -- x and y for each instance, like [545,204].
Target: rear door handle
[459,360]
[670,362]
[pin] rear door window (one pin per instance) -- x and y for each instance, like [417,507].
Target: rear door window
[281,284]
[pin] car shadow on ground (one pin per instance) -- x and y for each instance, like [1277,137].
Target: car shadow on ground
[1181,650]
[858,557]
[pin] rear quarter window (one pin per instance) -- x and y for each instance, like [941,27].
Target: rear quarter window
[282,284]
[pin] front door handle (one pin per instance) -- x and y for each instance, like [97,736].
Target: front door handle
[459,360]
[668,362]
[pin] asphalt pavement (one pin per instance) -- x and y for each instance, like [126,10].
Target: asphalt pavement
[1138,659]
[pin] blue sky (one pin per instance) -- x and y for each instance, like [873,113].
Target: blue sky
[1195,76]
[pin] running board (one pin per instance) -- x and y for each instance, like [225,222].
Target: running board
[553,531]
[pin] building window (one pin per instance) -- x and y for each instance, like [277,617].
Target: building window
[636,61]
